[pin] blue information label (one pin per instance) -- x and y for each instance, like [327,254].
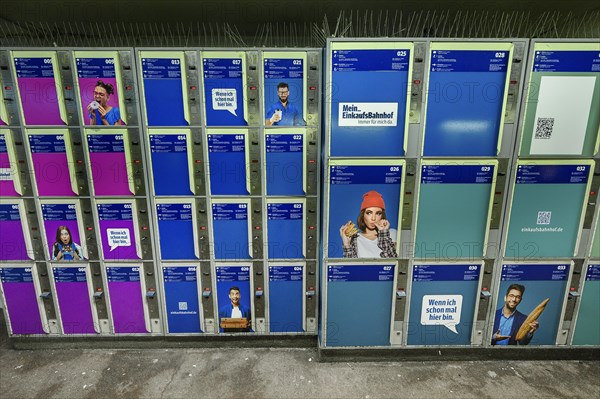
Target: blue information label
[174,212]
[276,68]
[535,272]
[47,143]
[222,68]
[115,212]
[167,143]
[226,143]
[161,68]
[593,273]
[370,60]
[34,67]
[230,211]
[284,211]
[69,274]
[9,212]
[457,174]
[360,273]
[95,67]
[3,148]
[16,275]
[233,273]
[179,274]
[106,143]
[281,143]
[553,174]
[365,174]
[286,273]
[123,274]
[566,61]
[446,272]
[469,61]
[59,212]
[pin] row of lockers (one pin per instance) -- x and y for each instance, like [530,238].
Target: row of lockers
[552,202]
[393,304]
[178,88]
[186,229]
[460,202]
[181,162]
[461,98]
[136,298]
[462,94]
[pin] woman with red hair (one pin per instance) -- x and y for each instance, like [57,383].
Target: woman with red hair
[373,238]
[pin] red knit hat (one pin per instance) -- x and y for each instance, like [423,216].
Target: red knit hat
[371,199]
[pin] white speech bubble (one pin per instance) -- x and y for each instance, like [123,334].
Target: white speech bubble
[442,310]
[225,99]
[118,238]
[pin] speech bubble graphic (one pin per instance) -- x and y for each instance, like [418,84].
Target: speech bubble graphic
[118,238]
[442,310]
[225,99]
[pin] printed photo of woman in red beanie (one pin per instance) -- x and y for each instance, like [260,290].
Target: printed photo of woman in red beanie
[372,236]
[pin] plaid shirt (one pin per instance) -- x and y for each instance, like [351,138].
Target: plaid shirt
[384,242]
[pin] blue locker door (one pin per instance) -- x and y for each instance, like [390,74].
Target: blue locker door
[285,164]
[286,298]
[176,231]
[285,232]
[227,164]
[181,299]
[170,164]
[230,229]
[464,102]
[163,91]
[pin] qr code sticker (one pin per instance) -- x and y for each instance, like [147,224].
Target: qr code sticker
[183,306]
[544,128]
[544,217]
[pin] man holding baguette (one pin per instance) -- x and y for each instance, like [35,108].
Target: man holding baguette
[509,320]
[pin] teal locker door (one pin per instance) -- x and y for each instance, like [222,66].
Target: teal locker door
[587,329]
[359,305]
[547,204]
[442,207]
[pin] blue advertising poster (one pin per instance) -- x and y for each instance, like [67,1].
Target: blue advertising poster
[284,164]
[465,100]
[224,91]
[286,298]
[284,91]
[369,99]
[230,229]
[163,91]
[442,304]
[536,290]
[442,207]
[234,298]
[353,189]
[227,164]
[546,209]
[359,305]
[176,231]
[170,164]
[285,230]
[181,299]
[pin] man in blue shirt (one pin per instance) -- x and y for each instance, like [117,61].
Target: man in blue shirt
[282,112]
[235,310]
[509,320]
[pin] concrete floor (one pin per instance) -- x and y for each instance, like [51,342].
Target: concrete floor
[277,373]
